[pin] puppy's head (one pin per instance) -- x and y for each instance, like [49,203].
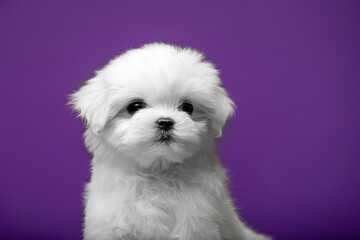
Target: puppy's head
[158,104]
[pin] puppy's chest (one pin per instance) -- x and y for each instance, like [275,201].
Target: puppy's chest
[164,210]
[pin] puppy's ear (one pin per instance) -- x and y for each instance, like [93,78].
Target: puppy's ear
[91,103]
[223,110]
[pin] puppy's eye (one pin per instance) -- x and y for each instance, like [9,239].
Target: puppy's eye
[135,106]
[186,107]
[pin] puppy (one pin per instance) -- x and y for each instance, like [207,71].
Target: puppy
[152,115]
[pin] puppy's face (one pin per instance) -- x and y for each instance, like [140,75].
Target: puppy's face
[156,105]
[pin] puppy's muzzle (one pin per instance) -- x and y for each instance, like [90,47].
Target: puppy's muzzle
[165,125]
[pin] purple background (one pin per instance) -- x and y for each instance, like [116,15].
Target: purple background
[292,68]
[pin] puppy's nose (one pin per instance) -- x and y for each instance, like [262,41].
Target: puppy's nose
[165,124]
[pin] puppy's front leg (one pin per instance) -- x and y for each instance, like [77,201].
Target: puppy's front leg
[233,228]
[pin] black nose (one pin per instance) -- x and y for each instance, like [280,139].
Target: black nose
[165,124]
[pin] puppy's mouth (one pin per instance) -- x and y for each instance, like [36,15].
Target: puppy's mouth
[164,137]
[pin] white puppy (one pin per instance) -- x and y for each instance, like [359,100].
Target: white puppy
[152,115]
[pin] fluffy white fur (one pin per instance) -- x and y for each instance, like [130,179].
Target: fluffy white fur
[147,190]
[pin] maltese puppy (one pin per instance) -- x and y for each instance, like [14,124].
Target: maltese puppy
[152,115]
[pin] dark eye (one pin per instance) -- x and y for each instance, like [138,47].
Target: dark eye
[186,107]
[135,106]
